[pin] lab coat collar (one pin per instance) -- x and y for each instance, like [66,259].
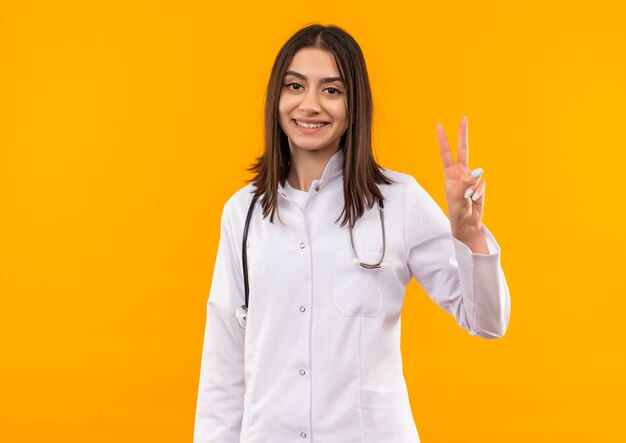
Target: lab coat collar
[334,165]
[333,168]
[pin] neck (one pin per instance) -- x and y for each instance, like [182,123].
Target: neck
[307,166]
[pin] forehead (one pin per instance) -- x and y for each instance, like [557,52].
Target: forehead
[314,63]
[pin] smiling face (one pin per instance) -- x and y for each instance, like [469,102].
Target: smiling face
[313,105]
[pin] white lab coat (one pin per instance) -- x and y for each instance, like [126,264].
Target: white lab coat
[320,358]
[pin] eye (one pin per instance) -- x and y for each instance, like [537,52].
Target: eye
[337,91]
[294,84]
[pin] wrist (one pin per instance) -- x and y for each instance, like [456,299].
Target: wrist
[468,233]
[473,238]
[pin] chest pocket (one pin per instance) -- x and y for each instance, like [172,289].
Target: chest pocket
[357,291]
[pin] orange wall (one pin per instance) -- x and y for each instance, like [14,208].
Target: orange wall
[125,126]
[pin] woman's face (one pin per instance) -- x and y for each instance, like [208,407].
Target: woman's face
[313,93]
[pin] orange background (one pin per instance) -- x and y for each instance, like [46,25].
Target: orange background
[125,126]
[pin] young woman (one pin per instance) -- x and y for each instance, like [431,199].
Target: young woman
[302,339]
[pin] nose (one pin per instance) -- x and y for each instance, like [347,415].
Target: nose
[310,102]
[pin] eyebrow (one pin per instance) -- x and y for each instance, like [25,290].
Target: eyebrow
[324,80]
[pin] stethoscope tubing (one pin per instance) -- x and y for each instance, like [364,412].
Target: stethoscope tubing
[242,311]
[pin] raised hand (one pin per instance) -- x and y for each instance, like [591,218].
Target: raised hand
[465,191]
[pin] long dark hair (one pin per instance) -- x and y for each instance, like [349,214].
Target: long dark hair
[361,173]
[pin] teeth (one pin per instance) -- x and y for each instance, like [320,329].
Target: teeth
[309,125]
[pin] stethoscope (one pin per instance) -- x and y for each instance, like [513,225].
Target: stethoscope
[242,311]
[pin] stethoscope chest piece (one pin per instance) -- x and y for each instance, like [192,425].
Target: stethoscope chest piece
[242,315]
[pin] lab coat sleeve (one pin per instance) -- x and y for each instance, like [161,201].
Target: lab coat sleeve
[469,286]
[219,408]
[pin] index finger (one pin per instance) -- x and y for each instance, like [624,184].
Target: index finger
[444,147]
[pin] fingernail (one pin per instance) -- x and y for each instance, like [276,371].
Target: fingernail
[477,172]
[438,125]
[468,192]
[475,196]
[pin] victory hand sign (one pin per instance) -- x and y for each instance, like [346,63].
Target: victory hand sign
[465,192]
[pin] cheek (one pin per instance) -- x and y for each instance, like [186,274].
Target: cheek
[283,115]
[285,104]
[340,111]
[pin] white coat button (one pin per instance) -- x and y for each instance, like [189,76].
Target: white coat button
[302,434]
[302,372]
[302,309]
[302,245]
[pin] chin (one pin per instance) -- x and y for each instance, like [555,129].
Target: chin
[310,147]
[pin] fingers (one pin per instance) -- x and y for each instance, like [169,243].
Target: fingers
[479,192]
[472,184]
[444,147]
[463,148]
[475,192]
[463,151]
